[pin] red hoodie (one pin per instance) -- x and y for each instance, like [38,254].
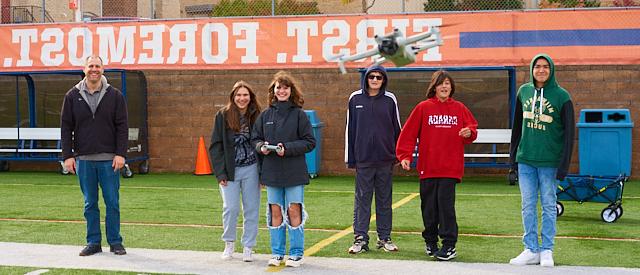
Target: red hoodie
[441,149]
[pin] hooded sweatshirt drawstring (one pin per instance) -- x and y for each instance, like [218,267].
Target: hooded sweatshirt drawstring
[533,104]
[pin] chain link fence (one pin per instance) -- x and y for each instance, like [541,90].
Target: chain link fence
[38,11]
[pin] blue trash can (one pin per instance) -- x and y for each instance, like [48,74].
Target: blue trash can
[605,142]
[313,158]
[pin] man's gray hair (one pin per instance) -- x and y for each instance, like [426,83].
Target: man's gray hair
[86,61]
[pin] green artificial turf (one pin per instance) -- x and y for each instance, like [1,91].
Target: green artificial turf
[180,211]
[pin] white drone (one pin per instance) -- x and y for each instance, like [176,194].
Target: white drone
[396,48]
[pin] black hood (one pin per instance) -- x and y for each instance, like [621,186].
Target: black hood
[376,68]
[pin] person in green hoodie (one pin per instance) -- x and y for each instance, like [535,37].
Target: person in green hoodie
[541,146]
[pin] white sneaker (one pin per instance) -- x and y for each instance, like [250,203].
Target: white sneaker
[525,258]
[294,261]
[276,260]
[247,254]
[359,245]
[227,254]
[546,258]
[387,245]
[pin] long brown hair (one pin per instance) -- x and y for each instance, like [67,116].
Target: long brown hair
[284,78]
[231,111]
[438,78]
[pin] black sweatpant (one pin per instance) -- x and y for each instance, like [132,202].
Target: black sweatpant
[438,199]
[370,180]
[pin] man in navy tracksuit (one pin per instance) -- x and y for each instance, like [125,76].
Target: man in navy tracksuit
[373,126]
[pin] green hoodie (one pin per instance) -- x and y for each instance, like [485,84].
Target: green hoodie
[543,128]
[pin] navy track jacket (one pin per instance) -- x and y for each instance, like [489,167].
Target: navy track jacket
[373,126]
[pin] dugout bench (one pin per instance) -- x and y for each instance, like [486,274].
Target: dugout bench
[30,105]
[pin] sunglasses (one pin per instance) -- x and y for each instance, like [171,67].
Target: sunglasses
[372,77]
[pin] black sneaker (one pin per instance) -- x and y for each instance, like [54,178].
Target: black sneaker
[359,245]
[118,249]
[431,249]
[91,249]
[446,253]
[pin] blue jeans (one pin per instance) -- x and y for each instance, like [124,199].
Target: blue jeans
[90,174]
[285,196]
[534,181]
[245,183]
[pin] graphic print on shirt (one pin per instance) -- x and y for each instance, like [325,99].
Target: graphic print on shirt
[534,111]
[442,121]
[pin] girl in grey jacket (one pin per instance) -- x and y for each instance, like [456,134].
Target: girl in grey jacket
[236,167]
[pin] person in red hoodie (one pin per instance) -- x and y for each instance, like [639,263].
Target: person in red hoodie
[443,126]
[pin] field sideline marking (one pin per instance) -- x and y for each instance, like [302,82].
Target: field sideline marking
[306,191]
[318,229]
[320,245]
[215,189]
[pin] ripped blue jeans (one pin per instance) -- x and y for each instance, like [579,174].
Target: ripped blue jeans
[285,196]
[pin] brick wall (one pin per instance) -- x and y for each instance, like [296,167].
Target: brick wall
[182,105]
[601,87]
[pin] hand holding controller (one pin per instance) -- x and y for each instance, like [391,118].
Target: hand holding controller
[273,148]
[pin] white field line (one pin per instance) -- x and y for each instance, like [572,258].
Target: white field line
[306,191]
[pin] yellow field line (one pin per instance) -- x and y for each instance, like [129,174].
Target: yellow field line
[322,244]
[275,268]
[349,230]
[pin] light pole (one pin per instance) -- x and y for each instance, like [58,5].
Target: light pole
[78,11]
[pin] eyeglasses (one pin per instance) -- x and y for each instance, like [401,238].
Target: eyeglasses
[372,77]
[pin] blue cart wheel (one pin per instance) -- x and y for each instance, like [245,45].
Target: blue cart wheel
[126,172]
[512,177]
[143,167]
[63,170]
[313,176]
[559,208]
[609,215]
[619,211]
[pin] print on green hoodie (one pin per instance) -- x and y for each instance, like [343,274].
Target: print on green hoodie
[542,140]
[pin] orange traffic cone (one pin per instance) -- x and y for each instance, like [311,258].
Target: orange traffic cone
[203,165]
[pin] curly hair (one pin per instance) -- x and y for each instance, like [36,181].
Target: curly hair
[285,79]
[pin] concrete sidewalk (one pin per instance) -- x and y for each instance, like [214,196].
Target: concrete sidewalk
[198,262]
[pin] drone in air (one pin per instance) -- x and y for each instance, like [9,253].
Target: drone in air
[397,48]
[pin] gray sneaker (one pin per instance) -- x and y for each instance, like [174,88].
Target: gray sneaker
[387,245]
[359,245]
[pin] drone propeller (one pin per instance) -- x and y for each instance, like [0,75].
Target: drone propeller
[342,58]
[396,48]
[336,57]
